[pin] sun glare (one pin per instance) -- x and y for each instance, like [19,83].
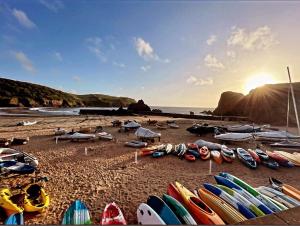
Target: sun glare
[257,81]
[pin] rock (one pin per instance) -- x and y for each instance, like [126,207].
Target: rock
[267,104]
[156,111]
[140,106]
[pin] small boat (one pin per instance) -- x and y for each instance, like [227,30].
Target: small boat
[7,204]
[290,157]
[234,137]
[216,155]
[15,219]
[77,213]
[227,154]
[271,164]
[173,191]
[282,161]
[246,158]
[131,125]
[112,215]
[254,155]
[274,136]
[262,155]
[104,136]
[136,144]
[158,154]
[194,153]
[9,154]
[209,145]
[192,146]
[146,152]
[285,188]
[143,133]
[204,153]
[286,144]
[201,129]
[243,128]
[189,157]
[20,141]
[180,150]
[14,167]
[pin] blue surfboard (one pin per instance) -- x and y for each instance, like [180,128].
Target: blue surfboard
[77,213]
[163,210]
[244,193]
[15,219]
[230,200]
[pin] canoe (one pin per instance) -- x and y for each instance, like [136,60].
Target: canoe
[204,153]
[147,216]
[228,183]
[136,144]
[189,157]
[15,219]
[158,154]
[112,215]
[285,188]
[216,155]
[223,209]
[254,155]
[77,213]
[261,154]
[251,190]
[246,158]
[283,196]
[182,214]
[230,200]
[163,210]
[7,204]
[280,159]
[227,154]
[278,198]
[256,211]
[36,199]
[194,153]
[200,211]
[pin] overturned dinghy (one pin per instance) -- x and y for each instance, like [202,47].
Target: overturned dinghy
[132,125]
[105,136]
[143,133]
[209,145]
[77,136]
[243,128]
[201,129]
[274,136]
[136,144]
[236,137]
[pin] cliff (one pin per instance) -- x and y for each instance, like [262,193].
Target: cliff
[267,104]
[23,94]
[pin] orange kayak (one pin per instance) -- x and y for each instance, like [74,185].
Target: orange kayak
[204,153]
[146,152]
[216,155]
[285,188]
[222,208]
[201,212]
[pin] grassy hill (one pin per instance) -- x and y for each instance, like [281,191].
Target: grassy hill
[23,94]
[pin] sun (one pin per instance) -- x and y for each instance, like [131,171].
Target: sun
[258,80]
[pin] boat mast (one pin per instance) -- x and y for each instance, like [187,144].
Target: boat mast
[294,101]
[288,110]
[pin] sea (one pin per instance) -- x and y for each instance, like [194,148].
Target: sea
[75,111]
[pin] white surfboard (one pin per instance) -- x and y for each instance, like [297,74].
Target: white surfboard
[146,215]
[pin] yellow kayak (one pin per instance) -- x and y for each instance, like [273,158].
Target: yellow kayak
[6,202]
[222,208]
[36,199]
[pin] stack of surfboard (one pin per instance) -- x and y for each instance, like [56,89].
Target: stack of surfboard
[230,201]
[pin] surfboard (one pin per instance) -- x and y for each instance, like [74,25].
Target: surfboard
[15,219]
[146,215]
[163,210]
[77,213]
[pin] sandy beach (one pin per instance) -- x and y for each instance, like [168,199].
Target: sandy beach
[108,172]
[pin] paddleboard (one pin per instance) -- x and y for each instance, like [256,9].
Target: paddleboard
[77,213]
[146,215]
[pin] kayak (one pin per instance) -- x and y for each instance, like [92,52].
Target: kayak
[180,150]
[158,154]
[173,191]
[36,199]
[182,214]
[254,155]
[228,183]
[234,137]
[7,204]
[163,210]
[77,213]
[230,200]
[112,215]
[280,159]
[227,154]
[194,153]
[251,190]
[242,200]
[200,211]
[204,153]
[15,219]
[292,158]
[246,158]
[146,215]
[216,155]
[261,154]
[223,209]
[192,146]
[285,188]
[209,145]
[189,157]
[271,164]
[136,144]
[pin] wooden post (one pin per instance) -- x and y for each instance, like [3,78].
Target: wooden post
[85,151]
[210,167]
[135,157]
[56,139]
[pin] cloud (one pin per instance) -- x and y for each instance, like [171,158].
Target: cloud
[58,56]
[94,44]
[212,62]
[260,39]
[211,40]
[76,78]
[24,61]
[231,54]
[119,64]
[145,68]
[144,49]
[199,81]
[53,5]
[23,19]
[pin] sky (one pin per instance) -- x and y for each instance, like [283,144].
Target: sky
[168,53]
